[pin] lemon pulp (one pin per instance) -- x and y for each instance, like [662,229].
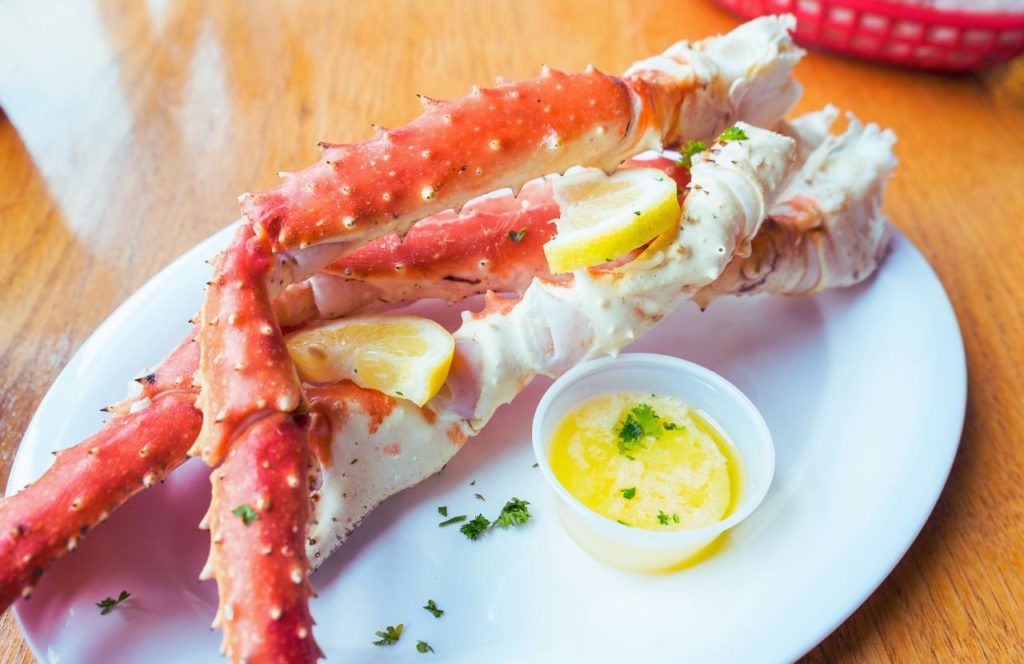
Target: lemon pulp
[683,477]
[604,217]
[404,356]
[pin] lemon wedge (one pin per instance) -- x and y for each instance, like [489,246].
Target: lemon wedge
[607,216]
[404,356]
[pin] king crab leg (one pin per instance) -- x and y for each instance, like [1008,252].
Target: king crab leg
[502,137]
[146,439]
[399,444]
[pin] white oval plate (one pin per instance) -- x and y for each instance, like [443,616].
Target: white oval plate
[864,391]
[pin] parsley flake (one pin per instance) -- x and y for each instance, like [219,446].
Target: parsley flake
[475,528]
[671,426]
[536,465]
[517,236]
[663,518]
[109,603]
[733,133]
[390,635]
[514,513]
[479,497]
[641,421]
[629,493]
[246,514]
[623,523]
[423,646]
[636,212]
[454,519]
[432,607]
[689,150]
[443,510]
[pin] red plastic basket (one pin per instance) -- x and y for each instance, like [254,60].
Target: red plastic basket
[902,34]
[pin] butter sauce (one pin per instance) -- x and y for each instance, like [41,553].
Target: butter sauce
[681,473]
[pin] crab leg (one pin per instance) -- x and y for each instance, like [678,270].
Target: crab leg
[146,439]
[258,551]
[455,151]
[399,444]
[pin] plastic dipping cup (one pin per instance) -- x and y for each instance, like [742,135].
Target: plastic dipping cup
[637,548]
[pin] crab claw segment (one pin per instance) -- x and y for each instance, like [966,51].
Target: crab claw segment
[85,483]
[455,150]
[257,517]
[244,364]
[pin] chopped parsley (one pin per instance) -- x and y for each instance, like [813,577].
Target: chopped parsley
[641,421]
[536,465]
[246,514]
[623,523]
[479,497]
[636,212]
[109,603]
[432,607]
[629,493]
[675,517]
[733,133]
[689,150]
[670,426]
[423,646]
[514,513]
[390,635]
[663,518]
[517,236]
[475,528]
[454,519]
[443,510]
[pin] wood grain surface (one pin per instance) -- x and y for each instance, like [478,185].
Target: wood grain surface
[128,128]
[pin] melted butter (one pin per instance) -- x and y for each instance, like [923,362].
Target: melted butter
[684,477]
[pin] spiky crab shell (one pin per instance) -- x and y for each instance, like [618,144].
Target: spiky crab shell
[244,365]
[86,482]
[258,511]
[454,151]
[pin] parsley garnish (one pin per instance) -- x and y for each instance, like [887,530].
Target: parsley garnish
[432,607]
[454,519]
[475,528]
[109,603]
[641,421]
[516,236]
[246,514]
[514,513]
[390,635]
[623,523]
[663,518]
[689,150]
[536,465]
[733,133]
[628,493]
[443,510]
[670,426]
[675,517]
[636,212]
[423,646]
[479,497]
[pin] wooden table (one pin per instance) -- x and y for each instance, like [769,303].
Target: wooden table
[128,128]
